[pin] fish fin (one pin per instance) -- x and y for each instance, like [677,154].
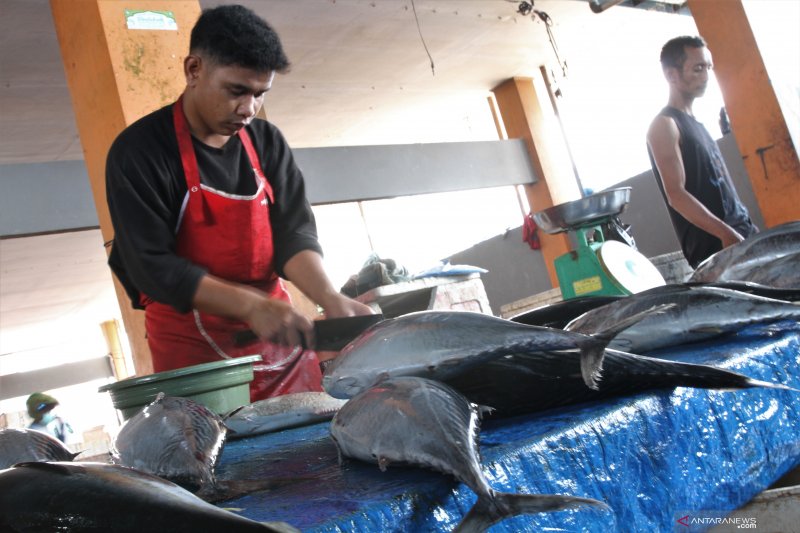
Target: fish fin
[280,527]
[592,364]
[593,349]
[482,410]
[769,385]
[504,505]
[609,333]
[233,412]
[49,466]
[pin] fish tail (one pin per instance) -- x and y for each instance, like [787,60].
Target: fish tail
[488,511]
[593,350]
[709,377]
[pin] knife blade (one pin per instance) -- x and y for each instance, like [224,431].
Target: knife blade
[330,334]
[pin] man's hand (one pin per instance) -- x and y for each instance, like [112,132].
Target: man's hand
[730,236]
[277,321]
[271,319]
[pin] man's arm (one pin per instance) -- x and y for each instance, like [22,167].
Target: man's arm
[306,271]
[663,138]
[269,318]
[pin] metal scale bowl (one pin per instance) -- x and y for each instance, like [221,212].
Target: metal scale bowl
[597,266]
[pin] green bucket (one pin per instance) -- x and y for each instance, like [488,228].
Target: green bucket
[221,386]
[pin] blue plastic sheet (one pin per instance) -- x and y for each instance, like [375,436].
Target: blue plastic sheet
[653,457]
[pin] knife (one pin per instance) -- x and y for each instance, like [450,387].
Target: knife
[331,334]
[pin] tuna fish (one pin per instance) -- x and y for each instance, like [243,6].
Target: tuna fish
[281,412]
[25,445]
[522,384]
[64,496]
[783,273]
[730,264]
[698,313]
[559,314]
[437,344]
[417,421]
[174,438]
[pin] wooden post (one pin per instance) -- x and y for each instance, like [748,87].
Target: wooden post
[117,74]
[756,118]
[527,113]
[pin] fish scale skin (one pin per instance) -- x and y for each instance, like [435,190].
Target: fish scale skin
[281,412]
[749,254]
[427,423]
[174,438]
[699,313]
[413,421]
[429,343]
[98,497]
[22,445]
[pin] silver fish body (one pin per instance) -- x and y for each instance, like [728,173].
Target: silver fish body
[421,422]
[24,445]
[281,412]
[82,497]
[174,438]
[437,344]
[782,273]
[733,262]
[697,313]
[529,383]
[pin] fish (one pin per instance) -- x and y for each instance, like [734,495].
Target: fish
[559,314]
[698,314]
[435,344]
[29,445]
[174,438]
[530,383]
[281,412]
[730,263]
[422,422]
[782,273]
[66,496]
[788,294]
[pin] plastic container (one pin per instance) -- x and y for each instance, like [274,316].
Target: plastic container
[221,386]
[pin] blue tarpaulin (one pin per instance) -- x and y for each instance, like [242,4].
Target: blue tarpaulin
[654,458]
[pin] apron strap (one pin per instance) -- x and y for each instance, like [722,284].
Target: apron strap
[255,162]
[196,204]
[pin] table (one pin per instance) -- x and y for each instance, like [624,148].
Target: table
[653,457]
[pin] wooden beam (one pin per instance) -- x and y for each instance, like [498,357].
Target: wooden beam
[117,74]
[756,118]
[527,114]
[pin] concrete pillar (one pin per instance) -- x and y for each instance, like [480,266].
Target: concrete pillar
[527,113]
[756,118]
[116,74]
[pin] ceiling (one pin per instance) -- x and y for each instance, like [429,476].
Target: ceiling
[360,75]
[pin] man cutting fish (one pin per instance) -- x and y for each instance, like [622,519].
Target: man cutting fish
[209,212]
[706,212]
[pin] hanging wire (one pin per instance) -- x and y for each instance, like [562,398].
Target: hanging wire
[525,9]
[548,23]
[416,18]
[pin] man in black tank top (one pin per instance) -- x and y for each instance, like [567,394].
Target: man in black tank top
[706,212]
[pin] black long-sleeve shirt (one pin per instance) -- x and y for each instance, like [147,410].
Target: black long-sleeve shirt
[146,187]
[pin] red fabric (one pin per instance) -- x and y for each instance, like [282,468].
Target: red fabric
[231,236]
[530,233]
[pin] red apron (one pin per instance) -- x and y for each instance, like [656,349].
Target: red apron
[230,236]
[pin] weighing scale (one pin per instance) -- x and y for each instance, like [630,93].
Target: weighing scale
[597,266]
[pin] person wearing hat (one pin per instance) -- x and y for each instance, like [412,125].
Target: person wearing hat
[40,408]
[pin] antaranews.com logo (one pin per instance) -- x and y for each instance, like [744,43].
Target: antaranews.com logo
[697,521]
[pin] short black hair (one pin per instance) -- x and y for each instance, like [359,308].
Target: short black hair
[235,35]
[673,54]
